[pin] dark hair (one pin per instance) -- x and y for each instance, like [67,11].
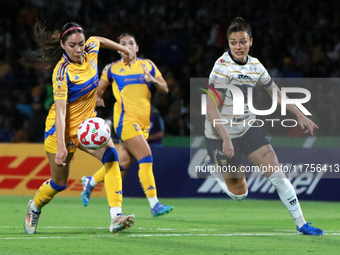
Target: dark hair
[238,25]
[126,34]
[50,51]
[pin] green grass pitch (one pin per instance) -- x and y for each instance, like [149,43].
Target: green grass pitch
[195,226]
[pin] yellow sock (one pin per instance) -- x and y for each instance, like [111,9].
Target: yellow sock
[46,192]
[113,184]
[146,177]
[99,175]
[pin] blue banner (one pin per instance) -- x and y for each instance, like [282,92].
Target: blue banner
[309,172]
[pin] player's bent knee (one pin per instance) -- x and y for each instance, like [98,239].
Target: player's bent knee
[238,197]
[110,155]
[277,178]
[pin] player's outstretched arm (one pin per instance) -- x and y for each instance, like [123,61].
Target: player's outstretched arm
[109,44]
[100,91]
[305,123]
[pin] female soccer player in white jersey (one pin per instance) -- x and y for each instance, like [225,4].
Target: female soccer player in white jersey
[226,144]
[75,80]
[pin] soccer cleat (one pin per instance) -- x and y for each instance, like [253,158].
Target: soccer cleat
[307,229]
[121,222]
[31,221]
[160,209]
[87,190]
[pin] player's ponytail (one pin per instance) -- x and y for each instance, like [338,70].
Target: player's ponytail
[239,25]
[50,51]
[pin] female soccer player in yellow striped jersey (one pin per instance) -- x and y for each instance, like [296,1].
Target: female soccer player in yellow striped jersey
[75,80]
[131,88]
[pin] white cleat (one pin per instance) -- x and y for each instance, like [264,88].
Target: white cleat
[31,221]
[121,222]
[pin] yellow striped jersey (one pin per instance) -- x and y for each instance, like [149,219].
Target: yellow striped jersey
[75,83]
[130,89]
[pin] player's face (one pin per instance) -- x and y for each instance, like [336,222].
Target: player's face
[74,47]
[129,42]
[239,44]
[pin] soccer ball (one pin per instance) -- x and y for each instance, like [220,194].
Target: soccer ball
[94,133]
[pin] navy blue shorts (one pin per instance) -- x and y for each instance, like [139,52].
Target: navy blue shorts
[252,140]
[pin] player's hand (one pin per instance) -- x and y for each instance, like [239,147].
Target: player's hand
[60,157]
[148,77]
[127,56]
[99,101]
[228,148]
[307,124]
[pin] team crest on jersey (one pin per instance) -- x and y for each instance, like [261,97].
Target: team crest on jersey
[60,78]
[93,64]
[252,68]
[136,126]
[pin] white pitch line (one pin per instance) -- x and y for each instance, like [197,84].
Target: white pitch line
[159,229]
[158,235]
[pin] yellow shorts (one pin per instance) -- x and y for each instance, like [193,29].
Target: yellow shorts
[50,144]
[128,127]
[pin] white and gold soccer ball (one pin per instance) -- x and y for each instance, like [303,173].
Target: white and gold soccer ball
[94,133]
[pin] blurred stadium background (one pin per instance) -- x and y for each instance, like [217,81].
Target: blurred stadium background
[183,38]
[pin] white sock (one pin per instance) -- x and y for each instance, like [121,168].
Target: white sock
[35,208]
[288,196]
[114,211]
[93,183]
[153,201]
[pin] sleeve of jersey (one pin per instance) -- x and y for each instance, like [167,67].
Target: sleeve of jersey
[154,70]
[60,89]
[265,80]
[218,76]
[107,74]
[92,45]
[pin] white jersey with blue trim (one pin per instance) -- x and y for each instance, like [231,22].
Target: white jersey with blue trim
[246,75]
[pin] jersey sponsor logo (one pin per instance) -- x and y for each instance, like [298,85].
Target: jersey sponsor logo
[60,78]
[243,76]
[130,79]
[76,77]
[122,70]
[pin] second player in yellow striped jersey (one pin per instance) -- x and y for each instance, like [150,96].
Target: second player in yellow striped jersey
[130,89]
